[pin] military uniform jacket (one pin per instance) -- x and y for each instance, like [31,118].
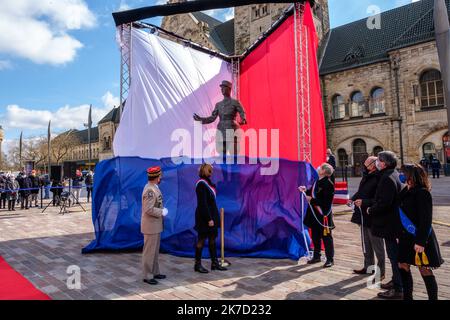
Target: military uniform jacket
[152,208]
[226,110]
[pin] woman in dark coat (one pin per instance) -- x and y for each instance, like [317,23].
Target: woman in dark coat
[418,245]
[206,219]
[320,218]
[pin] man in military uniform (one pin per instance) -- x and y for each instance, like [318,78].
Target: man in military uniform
[153,212]
[226,110]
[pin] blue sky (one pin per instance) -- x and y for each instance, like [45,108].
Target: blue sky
[59,56]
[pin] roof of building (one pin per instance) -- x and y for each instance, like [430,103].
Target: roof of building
[203,17]
[222,37]
[82,135]
[112,116]
[354,44]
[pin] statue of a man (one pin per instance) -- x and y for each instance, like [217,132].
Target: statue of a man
[226,110]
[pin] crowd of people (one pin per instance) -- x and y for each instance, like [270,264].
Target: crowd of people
[432,163]
[25,191]
[393,208]
[395,211]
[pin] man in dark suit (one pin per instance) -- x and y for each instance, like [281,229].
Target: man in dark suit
[331,160]
[319,217]
[436,167]
[384,218]
[362,200]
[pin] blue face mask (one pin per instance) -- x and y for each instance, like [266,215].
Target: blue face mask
[402,178]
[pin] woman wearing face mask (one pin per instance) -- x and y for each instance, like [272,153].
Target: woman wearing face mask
[418,245]
[206,219]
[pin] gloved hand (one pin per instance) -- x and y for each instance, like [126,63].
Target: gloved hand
[165,212]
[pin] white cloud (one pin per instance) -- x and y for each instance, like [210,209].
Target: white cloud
[123,6]
[38,30]
[229,14]
[221,14]
[64,118]
[110,101]
[5,64]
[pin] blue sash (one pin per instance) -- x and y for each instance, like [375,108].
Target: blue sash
[407,223]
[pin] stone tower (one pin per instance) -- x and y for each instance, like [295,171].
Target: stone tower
[192,26]
[252,20]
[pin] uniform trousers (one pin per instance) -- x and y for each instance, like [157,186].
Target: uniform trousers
[150,254]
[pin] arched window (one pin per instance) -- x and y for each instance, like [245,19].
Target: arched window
[359,156]
[342,158]
[377,101]
[357,108]
[338,107]
[359,146]
[377,150]
[431,89]
[429,149]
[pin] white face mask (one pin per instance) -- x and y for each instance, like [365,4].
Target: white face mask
[378,165]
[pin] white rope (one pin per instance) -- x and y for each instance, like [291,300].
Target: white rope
[309,257]
[314,214]
[362,229]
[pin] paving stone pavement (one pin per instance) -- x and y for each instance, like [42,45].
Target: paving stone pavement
[41,246]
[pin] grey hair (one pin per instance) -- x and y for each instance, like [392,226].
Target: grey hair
[328,169]
[389,158]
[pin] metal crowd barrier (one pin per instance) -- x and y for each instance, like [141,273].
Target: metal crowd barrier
[42,190]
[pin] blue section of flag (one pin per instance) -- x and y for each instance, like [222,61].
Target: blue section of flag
[263,215]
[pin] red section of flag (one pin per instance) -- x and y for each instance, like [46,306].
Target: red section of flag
[268,91]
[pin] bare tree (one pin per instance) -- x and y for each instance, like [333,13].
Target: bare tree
[31,151]
[62,145]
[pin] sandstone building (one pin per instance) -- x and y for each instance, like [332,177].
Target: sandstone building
[376,83]
[382,88]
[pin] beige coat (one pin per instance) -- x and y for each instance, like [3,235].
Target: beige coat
[152,209]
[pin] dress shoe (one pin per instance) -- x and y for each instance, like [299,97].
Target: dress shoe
[328,264]
[217,266]
[360,271]
[160,276]
[199,268]
[391,295]
[387,286]
[314,260]
[151,281]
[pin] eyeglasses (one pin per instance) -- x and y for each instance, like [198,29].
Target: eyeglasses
[373,162]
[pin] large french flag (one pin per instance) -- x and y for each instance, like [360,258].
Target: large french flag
[170,82]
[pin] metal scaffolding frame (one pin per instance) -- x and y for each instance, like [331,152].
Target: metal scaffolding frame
[303,100]
[236,71]
[125,63]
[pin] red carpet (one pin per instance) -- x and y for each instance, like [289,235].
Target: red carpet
[13,286]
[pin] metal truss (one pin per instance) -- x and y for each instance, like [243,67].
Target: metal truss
[302,77]
[125,62]
[236,71]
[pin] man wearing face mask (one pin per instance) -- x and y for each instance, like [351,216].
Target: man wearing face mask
[363,199]
[319,217]
[384,218]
